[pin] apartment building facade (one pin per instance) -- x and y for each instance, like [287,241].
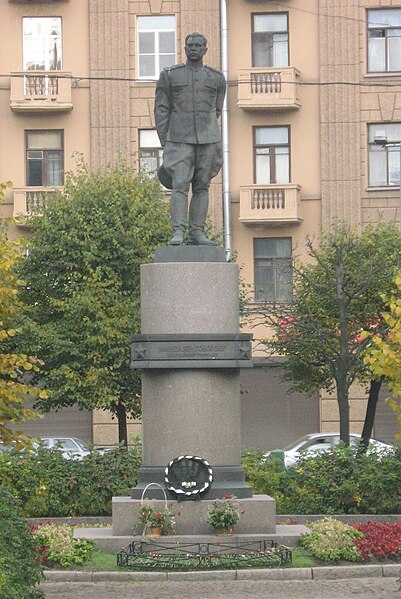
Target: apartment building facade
[310,82]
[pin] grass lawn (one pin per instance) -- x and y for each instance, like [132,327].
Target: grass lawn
[101,561]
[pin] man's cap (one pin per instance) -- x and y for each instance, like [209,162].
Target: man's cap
[164,178]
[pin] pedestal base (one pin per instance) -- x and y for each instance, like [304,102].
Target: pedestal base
[259,516]
[227,480]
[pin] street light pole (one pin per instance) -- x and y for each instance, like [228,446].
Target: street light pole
[380,139]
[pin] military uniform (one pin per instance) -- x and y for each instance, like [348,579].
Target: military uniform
[189,100]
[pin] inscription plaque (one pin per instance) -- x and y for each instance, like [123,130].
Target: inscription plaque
[191,351]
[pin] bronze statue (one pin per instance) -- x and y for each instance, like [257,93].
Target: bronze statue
[189,100]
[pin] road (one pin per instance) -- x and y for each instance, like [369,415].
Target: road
[364,588]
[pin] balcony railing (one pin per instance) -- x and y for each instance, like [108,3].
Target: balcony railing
[270,204]
[41,91]
[28,200]
[268,89]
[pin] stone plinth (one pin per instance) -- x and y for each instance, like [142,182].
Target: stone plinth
[259,516]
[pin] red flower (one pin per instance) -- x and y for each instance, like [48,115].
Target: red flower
[178,513]
[228,496]
[158,516]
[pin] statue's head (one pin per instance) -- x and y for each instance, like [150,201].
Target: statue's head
[195,46]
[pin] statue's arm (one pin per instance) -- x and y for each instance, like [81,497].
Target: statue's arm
[162,107]
[221,92]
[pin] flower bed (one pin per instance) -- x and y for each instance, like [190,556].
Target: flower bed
[380,540]
[56,546]
[331,540]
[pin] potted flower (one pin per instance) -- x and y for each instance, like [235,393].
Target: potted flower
[156,521]
[224,514]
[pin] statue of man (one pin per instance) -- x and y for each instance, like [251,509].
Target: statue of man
[189,100]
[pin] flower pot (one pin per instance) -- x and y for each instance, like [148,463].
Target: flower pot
[154,531]
[223,531]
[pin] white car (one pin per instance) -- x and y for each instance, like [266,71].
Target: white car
[315,442]
[71,447]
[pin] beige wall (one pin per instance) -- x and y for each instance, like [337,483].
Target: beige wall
[303,122]
[329,153]
[75,54]
[377,104]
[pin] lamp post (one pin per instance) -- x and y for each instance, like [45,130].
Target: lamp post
[381,139]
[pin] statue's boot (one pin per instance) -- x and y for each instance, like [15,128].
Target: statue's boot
[197,215]
[198,237]
[177,238]
[178,210]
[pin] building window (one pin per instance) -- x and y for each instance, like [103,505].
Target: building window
[44,158]
[384,40]
[156,45]
[150,151]
[384,163]
[270,40]
[42,44]
[272,155]
[273,274]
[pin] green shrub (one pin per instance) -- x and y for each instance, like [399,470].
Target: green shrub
[331,540]
[59,547]
[48,485]
[20,569]
[342,481]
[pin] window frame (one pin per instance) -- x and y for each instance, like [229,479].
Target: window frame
[155,149]
[44,160]
[386,150]
[386,38]
[255,146]
[256,14]
[275,260]
[61,40]
[157,53]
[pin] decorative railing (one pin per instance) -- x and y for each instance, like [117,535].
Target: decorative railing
[41,85]
[38,91]
[28,200]
[270,203]
[260,89]
[266,83]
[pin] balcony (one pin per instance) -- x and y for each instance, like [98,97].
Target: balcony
[268,89]
[28,200]
[41,91]
[270,204]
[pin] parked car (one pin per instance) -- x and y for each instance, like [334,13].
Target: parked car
[71,447]
[310,444]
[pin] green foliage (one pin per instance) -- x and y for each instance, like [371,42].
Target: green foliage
[59,547]
[342,481]
[224,513]
[50,486]
[267,476]
[15,388]
[384,353]
[336,294]
[20,569]
[83,290]
[331,540]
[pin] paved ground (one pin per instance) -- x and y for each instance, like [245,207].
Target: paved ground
[364,588]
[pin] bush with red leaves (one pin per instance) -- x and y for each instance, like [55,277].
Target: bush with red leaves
[380,540]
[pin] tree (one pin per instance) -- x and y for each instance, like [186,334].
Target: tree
[383,357]
[336,295]
[15,387]
[82,275]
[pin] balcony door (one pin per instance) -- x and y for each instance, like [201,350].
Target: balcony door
[42,49]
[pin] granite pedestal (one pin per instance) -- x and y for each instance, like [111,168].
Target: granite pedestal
[190,352]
